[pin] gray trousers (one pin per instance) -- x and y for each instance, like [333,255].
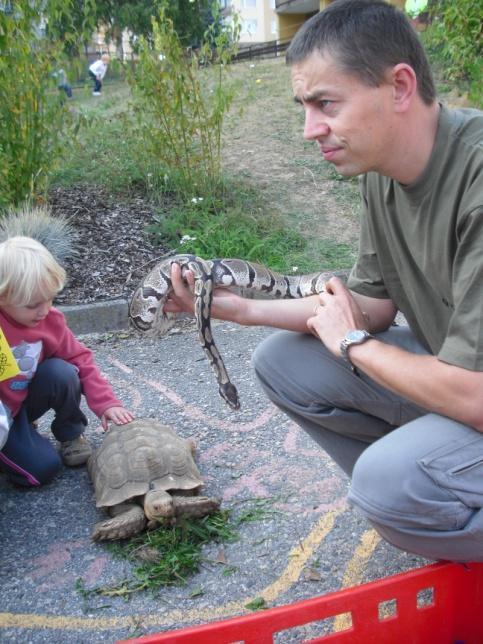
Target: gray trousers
[416,476]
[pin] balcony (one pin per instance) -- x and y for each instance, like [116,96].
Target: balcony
[297,6]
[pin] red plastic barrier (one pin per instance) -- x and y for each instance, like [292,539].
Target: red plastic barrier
[438,604]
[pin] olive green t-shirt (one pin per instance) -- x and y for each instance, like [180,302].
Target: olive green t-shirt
[421,245]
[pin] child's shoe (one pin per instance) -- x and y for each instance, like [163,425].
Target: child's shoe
[75,452]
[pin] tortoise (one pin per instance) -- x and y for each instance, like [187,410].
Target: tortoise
[145,474]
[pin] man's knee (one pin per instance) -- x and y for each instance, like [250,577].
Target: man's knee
[281,363]
[391,489]
[272,349]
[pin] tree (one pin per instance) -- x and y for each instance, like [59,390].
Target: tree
[190,18]
[71,24]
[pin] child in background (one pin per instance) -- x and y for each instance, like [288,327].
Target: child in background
[97,71]
[55,369]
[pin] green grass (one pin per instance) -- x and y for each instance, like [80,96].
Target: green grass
[166,556]
[171,555]
[217,229]
[106,151]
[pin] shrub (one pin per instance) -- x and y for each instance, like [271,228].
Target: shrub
[33,115]
[179,109]
[455,38]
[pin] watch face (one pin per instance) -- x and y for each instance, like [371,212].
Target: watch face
[356,335]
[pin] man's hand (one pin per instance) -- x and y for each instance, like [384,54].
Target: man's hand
[225,306]
[118,415]
[334,314]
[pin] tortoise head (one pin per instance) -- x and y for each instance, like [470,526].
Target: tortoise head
[158,504]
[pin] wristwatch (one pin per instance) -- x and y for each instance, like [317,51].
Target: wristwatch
[354,336]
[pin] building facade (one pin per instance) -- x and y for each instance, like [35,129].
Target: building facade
[266,20]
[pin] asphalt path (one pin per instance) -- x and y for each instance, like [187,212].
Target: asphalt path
[309,542]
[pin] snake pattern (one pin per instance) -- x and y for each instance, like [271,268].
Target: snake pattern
[147,313]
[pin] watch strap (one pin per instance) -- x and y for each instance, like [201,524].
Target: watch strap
[348,342]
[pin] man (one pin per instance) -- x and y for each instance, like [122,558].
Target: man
[400,409]
[97,71]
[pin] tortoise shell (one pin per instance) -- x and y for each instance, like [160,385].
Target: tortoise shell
[139,456]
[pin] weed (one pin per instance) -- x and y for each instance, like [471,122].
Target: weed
[258,603]
[168,556]
[225,228]
[259,509]
[165,556]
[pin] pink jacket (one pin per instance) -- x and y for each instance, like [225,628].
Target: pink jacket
[51,338]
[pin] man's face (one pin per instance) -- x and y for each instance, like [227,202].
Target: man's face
[350,121]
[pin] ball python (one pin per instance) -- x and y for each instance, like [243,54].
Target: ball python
[146,309]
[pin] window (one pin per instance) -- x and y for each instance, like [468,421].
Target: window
[248,4]
[249,27]
[274,29]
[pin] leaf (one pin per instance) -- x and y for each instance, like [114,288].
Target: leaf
[220,557]
[310,574]
[197,592]
[258,603]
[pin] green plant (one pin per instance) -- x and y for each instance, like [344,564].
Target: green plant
[454,38]
[179,109]
[166,556]
[34,118]
[258,603]
[213,228]
[55,233]
[116,163]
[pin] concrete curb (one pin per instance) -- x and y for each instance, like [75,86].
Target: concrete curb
[97,317]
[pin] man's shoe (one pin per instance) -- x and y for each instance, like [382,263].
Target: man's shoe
[96,93]
[75,452]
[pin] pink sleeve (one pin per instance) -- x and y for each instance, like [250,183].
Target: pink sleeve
[96,389]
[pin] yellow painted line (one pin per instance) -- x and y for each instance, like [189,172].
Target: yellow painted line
[298,557]
[355,570]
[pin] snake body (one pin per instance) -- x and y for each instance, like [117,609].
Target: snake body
[147,305]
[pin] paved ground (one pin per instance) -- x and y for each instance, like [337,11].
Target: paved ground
[310,543]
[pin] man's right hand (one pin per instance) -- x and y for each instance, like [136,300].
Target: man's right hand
[226,305]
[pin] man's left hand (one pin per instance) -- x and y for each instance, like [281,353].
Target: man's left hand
[335,313]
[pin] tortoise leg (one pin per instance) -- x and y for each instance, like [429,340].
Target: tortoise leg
[194,506]
[127,520]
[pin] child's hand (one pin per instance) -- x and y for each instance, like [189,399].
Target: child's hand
[118,415]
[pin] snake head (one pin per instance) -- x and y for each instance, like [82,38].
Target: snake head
[229,393]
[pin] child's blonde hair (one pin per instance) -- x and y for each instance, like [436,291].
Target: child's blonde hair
[28,271]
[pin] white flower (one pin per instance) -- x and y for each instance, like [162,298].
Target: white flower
[186,238]
[197,199]
[295,269]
